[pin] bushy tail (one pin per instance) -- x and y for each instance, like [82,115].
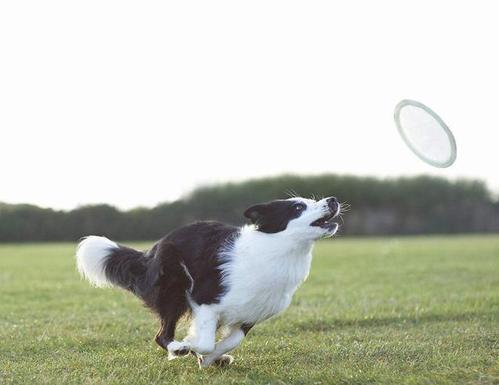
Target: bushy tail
[105,263]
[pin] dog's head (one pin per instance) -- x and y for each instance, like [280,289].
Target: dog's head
[304,219]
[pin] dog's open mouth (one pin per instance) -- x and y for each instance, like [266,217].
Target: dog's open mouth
[325,222]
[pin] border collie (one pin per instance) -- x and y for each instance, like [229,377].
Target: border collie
[228,278]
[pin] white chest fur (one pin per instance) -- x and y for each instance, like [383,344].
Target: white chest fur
[262,273]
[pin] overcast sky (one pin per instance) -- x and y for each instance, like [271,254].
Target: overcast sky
[133,103]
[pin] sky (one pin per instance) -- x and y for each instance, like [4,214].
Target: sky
[135,103]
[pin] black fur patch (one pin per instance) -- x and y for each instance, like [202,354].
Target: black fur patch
[198,245]
[273,217]
[159,276]
[126,267]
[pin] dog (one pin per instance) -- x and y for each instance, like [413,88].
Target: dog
[227,278]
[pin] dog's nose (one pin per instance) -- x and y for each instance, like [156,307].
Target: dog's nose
[333,204]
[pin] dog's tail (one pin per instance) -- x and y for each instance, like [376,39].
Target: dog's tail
[105,263]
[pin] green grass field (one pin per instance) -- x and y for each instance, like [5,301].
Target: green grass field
[373,311]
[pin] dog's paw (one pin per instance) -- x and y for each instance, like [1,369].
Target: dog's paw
[178,349]
[224,360]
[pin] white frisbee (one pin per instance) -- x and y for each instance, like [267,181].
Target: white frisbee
[425,133]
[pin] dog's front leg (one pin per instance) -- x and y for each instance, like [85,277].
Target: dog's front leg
[203,329]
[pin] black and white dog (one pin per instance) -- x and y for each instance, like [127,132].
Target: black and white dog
[228,278]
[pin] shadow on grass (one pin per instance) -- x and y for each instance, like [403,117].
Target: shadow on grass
[322,325]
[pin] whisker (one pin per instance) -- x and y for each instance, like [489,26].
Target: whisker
[344,207]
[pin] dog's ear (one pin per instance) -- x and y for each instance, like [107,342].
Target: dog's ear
[256,212]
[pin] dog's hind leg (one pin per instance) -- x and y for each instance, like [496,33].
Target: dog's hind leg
[171,301]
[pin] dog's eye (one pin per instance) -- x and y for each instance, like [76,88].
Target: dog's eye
[299,207]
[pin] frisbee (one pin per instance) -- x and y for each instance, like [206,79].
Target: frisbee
[425,133]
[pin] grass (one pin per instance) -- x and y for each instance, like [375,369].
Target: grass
[416,310]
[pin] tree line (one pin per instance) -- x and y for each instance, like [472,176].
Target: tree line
[409,205]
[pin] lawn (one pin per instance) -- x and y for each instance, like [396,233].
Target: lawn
[415,310]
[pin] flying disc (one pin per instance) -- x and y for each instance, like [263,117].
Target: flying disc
[425,133]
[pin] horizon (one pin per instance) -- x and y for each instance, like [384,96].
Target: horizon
[494,194]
